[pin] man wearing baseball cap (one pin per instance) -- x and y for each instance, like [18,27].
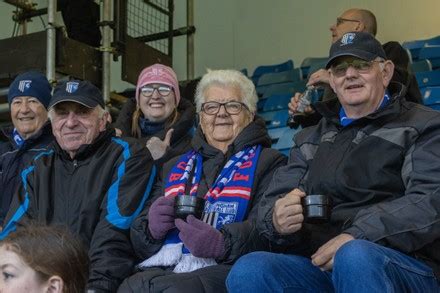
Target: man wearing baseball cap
[28,98]
[92,182]
[375,156]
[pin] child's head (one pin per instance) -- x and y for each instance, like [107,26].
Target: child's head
[42,259]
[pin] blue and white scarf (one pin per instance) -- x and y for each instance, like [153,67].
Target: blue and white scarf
[226,202]
[19,141]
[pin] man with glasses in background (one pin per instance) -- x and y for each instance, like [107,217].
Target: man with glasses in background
[376,158]
[360,20]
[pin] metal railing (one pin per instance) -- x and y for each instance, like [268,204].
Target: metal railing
[157,31]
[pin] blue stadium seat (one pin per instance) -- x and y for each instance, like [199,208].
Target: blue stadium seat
[277,102]
[428,78]
[315,67]
[285,142]
[285,88]
[275,119]
[415,46]
[421,65]
[431,96]
[260,104]
[310,63]
[276,133]
[280,77]
[268,79]
[432,53]
[260,70]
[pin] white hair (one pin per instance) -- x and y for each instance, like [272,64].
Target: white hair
[227,78]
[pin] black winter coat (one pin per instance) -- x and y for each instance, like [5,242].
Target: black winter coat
[181,138]
[382,172]
[13,160]
[96,195]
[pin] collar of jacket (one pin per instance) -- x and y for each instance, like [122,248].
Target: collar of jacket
[87,150]
[330,109]
[6,134]
[183,125]
[253,134]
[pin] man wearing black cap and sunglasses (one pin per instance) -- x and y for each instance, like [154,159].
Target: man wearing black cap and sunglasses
[359,20]
[376,156]
[90,181]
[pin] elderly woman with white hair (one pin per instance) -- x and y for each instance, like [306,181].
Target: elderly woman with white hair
[230,166]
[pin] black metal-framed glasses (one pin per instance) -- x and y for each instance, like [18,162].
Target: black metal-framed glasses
[232,108]
[341,20]
[361,66]
[163,90]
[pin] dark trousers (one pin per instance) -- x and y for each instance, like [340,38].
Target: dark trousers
[209,279]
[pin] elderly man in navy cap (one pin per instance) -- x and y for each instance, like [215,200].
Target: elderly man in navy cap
[90,181]
[28,97]
[376,157]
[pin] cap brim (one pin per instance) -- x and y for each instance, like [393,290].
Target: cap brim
[354,53]
[75,99]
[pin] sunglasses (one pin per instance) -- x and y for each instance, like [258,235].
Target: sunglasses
[341,20]
[361,66]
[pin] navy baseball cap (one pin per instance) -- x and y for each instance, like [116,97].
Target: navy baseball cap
[32,84]
[82,92]
[357,44]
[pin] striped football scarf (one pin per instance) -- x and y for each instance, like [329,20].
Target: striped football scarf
[226,202]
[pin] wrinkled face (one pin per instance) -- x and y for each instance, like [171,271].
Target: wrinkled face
[361,88]
[157,101]
[349,21]
[17,276]
[222,128]
[28,115]
[74,125]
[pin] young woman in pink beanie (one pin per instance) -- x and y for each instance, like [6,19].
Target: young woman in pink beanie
[158,117]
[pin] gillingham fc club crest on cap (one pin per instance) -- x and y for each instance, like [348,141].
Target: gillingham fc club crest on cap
[24,85]
[348,39]
[72,86]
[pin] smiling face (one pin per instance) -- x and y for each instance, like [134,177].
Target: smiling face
[222,128]
[360,92]
[160,105]
[74,125]
[28,115]
[17,276]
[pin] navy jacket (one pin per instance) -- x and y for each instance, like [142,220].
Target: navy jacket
[96,195]
[14,159]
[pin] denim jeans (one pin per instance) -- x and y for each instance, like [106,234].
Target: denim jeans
[359,266]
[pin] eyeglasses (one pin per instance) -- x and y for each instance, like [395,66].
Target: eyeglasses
[361,66]
[232,108]
[163,90]
[341,20]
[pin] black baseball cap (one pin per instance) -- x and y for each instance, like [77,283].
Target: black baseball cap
[357,44]
[82,92]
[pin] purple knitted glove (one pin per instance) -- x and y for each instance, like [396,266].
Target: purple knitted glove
[161,217]
[201,239]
